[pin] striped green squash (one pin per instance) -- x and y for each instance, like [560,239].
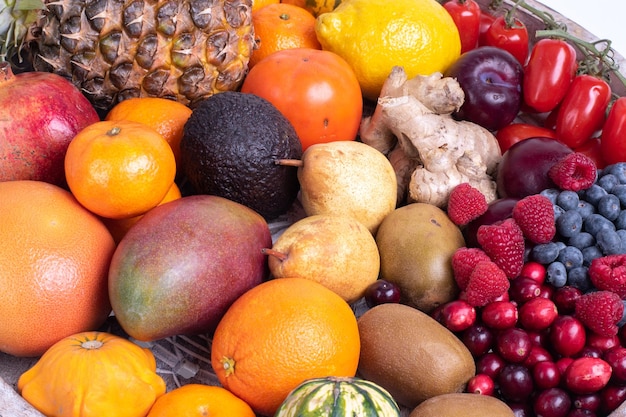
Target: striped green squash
[338,397]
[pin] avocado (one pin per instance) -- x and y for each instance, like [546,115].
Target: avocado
[462,404]
[230,146]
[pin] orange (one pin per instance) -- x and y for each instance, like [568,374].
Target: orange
[198,400]
[119,169]
[54,259]
[168,117]
[280,333]
[119,227]
[316,7]
[282,26]
[257,4]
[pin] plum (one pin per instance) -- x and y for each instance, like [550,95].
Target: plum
[497,210]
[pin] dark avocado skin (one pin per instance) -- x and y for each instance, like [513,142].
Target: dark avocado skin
[229,148]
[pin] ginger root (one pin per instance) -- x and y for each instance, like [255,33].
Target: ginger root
[430,151]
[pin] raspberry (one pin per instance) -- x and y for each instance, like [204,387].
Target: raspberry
[574,172]
[463,262]
[465,204]
[486,283]
[609,273]
[535,216]
[504,243]
[600,311]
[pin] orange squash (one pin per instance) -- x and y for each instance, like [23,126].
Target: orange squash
[93,374]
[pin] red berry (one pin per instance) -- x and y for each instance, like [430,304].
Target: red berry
[567,335]
[524,289]
[600,311]
[490,364]
[589,402]
[463,262]
[603,343]
[573,172]
[481,384]
[612,397]
[534,214]
[587,375]
[565,299]
[457,315]
[616,358]
[500,315]
[546,375]
[552,402]
[478,338]
[537,354]
[465,204]
[609,273]
[535,271]
[504,243]
[537,313]
[486,283]
[515,382]
[381,291]
[513,344]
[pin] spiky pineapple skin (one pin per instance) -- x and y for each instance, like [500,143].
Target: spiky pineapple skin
[184,50]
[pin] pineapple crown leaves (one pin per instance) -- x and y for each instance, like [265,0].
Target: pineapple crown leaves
[15,18]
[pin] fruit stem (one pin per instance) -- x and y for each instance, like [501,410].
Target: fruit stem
[289,162]
[271,252]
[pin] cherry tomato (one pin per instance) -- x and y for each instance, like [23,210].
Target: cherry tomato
[512,37]
[486,19]
[582,111]
[550,70]
[317,91]
[592,148]
[517,132]
[466,16]
[613,138]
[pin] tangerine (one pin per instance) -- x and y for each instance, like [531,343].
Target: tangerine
[257,4]
[168,117]
[198,400]
[119,169]
[282,26]
[280,333]
[53,267]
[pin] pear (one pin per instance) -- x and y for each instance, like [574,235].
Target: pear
[338,252]
[347,178]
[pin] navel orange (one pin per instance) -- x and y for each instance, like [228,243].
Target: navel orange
[280,333]
[53,267]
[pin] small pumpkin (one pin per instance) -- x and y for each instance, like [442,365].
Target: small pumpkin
[93,374]
[338,396]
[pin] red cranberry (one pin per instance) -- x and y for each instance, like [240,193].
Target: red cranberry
[478,339]
[537,314]
[616,358]
[534,271]
[587,375]
[500,315]
[621,334]
[524,289]
[490,364]
[590,402]
[552,402]
[515,382]
[537,354]
[580,412]
[589,352]
[603,343]
[563,363]
[521,409]
[481,384]
[612,397]
[381,291]
[513,344]
[546,291]
[457,315]
[539,338]
[567,335]
[565,299]
[546,375]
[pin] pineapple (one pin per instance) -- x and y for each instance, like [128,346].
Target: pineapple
[185,50]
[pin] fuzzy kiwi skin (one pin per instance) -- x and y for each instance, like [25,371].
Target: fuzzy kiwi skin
[462,404]
[411,355]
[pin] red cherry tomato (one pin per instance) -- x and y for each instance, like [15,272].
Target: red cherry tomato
[512,37]
[592,148]
[466,16]
[517,132]
[613,139]
[486,19]
[550,70]
[582,111]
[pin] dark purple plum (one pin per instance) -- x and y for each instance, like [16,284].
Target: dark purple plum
[497,210]
[491,79]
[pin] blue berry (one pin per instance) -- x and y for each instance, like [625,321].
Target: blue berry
[544,253]
[568,200]
[609,242]
[618,169]
[619,191]
[571,257]
[608,181]
[609,206]
[569,223]
[551,194]
[590,253]
[620,222]
[594,193]
[582,240]
[585,209]
[556,275]
[558,210]
[579,278]
[622,235]
[596,222]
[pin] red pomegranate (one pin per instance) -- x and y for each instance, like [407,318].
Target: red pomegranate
[40,113]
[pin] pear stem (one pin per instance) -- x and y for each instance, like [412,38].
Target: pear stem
[271,252]
[289,162]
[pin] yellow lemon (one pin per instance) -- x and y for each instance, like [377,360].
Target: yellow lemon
[373,36]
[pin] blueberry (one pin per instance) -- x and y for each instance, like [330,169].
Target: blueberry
[579,278]
[569,223]
[556,275]
[608,181]
[545,253]
[558,210]
[590,253]
[571,257]
[619,191]
[622,235]
[594,193]
[585,209]
[568,200]
[582,240]
[619,170]
[620,222]
[609,242]
[609,206]
[551,194]
[596,222]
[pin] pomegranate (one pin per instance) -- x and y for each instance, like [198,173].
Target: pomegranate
[40,113]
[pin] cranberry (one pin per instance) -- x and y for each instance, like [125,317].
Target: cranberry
[567,335]
[580,412]
[490,364]
[523,289]
[513,344]
[539,338]
[534,271]
[563,363]
[621,334]
[616,358]
[481,384]
[478,339]
[603,343]
[587,375]
[590,402]
[546,291]
[552,402]
[546,375]
[500,315]
[457,315]
[521,409]
[380,292]
[565,299]
[537,354]
[515,382]
[537,314]
[612,397]
[589,352]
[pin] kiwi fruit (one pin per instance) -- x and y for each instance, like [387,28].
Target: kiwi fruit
[462,404]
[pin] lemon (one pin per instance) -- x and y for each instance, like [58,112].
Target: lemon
[373,36]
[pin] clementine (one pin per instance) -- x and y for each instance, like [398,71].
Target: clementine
[280,333]
[54,261]
[257,4]
[168,117]
[198,400]
[282,26]
[119,169]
